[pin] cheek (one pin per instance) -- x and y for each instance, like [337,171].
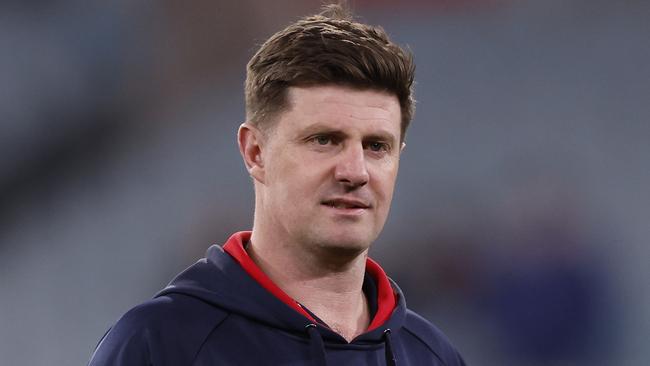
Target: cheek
[385,182]
[293,182]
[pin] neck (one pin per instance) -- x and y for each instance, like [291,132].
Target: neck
[329,285]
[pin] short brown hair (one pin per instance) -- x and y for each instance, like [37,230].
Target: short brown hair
[328,48]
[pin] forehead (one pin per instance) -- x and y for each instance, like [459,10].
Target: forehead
[340,106]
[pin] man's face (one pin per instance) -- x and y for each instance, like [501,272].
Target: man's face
[330,164]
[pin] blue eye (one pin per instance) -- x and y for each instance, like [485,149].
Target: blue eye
[323,140]
[377,146]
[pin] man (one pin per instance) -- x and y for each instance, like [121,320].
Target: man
[328,102]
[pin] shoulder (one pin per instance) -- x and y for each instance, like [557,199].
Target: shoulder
[433,338]
[172,313]
[147,333]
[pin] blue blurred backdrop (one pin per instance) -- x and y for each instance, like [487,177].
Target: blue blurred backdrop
[520,219]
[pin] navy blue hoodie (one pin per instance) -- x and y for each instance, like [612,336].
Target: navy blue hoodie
[224,310]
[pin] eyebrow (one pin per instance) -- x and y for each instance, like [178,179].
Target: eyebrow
[317,128]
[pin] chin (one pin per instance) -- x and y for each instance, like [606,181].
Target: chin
[344,245]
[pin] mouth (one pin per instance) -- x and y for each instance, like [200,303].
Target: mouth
[346,204]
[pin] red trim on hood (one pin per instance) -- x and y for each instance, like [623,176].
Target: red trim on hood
[386,297]
[235,247]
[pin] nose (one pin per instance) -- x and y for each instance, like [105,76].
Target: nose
[351,169]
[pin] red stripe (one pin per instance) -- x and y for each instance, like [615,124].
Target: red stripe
[386,296]
[235,247]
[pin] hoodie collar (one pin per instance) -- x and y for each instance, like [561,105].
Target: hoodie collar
[386,298]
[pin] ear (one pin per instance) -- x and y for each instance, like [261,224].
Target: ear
[250,141]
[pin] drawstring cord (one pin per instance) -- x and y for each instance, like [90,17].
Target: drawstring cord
[390,356]
[317,345]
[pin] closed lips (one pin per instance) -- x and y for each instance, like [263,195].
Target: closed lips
[345,203]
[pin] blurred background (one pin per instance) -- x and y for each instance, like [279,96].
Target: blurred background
[520,218]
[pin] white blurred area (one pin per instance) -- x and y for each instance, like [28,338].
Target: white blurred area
[520,219]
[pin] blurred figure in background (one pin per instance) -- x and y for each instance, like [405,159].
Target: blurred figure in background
[544,284]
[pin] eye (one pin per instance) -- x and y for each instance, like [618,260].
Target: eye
[377,146]
[322,139]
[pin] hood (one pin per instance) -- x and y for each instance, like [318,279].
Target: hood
[229,279]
